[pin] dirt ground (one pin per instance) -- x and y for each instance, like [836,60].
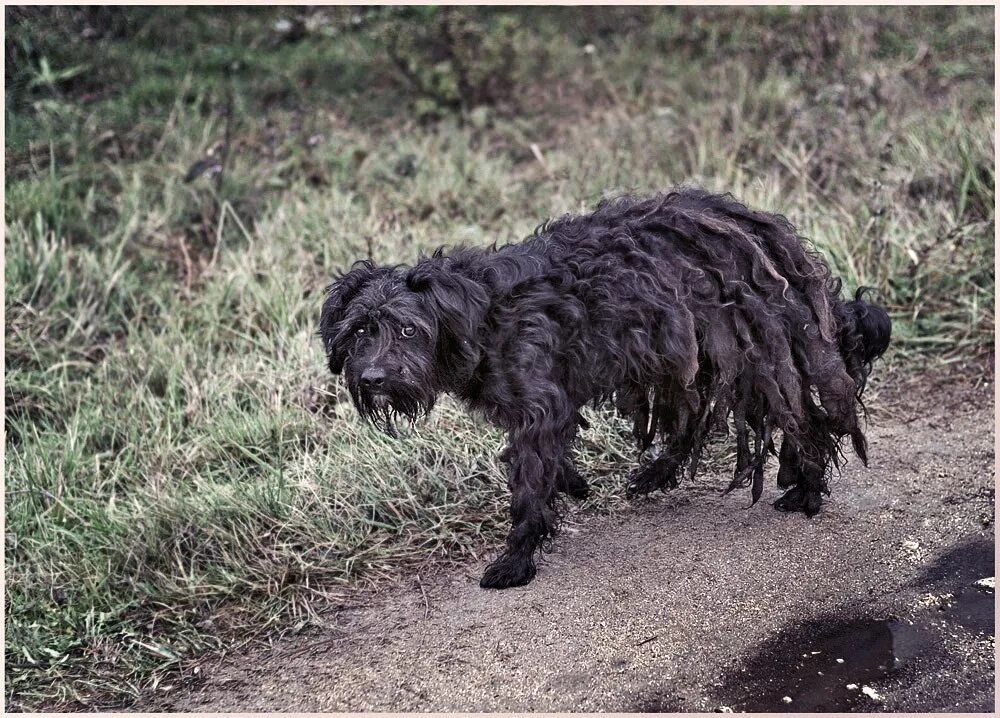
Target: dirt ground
[692,602]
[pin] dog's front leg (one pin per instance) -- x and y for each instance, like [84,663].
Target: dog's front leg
[534,461]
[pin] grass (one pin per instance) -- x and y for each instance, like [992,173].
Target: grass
[181,473]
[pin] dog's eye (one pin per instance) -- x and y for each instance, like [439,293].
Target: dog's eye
[409,332]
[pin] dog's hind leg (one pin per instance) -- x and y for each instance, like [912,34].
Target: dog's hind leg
[680,422]
[570,482]
[788,465]
[804,479]
[633,400]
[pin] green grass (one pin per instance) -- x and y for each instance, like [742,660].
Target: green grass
[182,474]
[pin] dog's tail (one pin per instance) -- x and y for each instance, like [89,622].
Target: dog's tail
[864,336]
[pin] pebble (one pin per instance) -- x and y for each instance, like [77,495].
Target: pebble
[911,549]
[986,584]
[787,699]
[871,693]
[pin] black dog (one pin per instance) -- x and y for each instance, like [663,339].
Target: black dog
[684,309]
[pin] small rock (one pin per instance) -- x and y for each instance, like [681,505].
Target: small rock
[852,686]
[787,699]
[911,549]
[871,693]
[986,584]
[723,709]
[930,600]
[840,660]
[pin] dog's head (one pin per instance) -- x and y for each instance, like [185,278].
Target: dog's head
[401,336]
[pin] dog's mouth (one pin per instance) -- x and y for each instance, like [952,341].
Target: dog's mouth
[384,409]
[380,402]
[380,411]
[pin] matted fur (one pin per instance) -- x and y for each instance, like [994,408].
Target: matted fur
[685,309]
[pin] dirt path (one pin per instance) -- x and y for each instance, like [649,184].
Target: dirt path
[691,602]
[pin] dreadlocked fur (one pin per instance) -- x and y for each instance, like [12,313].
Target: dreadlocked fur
[687,310]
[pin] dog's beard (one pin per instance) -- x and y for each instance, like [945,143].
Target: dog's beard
[384,409]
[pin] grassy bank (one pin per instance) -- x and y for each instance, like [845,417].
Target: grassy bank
[180,471]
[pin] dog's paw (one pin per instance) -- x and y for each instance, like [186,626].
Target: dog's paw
[812,504]
[791,500]
[799,499]
[635,489]
[507,572]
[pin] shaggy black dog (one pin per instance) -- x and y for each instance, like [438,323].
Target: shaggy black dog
[684,309]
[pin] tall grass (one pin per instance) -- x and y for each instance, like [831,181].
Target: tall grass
[181,472]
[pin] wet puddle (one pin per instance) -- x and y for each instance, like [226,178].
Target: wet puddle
[826,666]
[835,664]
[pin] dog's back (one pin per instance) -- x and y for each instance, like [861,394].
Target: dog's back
[660,290]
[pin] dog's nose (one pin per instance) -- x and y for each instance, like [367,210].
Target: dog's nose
[372,378]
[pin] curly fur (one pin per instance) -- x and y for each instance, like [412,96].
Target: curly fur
[685,309]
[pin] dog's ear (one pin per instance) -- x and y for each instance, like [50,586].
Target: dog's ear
[458,304]
[338,297]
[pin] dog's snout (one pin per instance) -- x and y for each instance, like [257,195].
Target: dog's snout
[373,377]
